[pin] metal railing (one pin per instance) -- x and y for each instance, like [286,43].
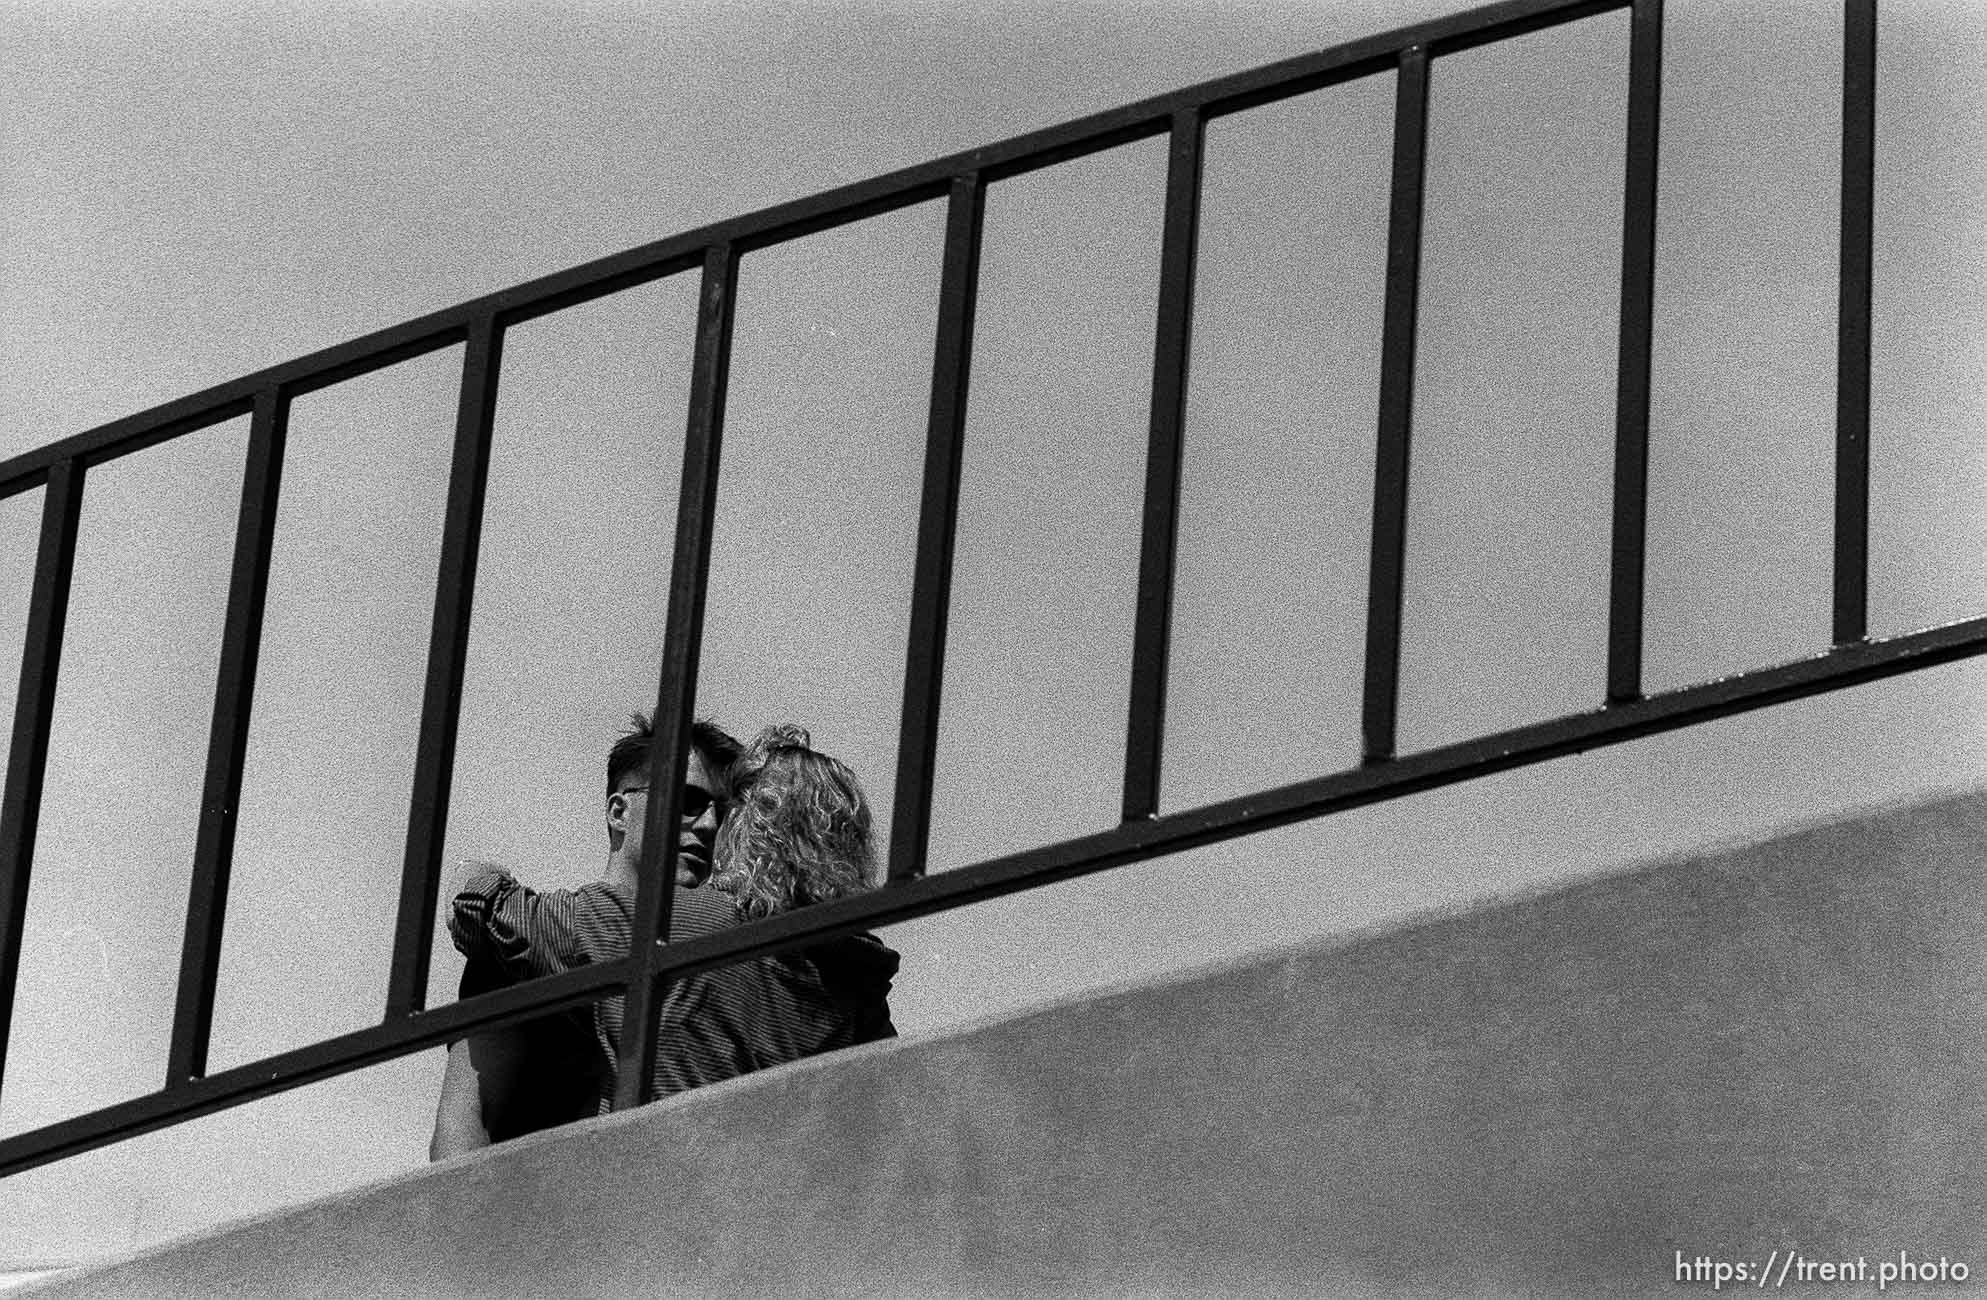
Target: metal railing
[713,252]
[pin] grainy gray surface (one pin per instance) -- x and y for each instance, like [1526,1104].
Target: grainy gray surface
[1775,1047]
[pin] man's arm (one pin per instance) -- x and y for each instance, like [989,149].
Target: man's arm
[492,1087]
[484,1074]
[531,934]
[459,1113]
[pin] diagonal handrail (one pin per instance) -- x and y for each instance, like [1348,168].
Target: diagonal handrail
[784,222]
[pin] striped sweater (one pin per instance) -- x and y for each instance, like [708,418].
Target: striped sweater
[713,1024]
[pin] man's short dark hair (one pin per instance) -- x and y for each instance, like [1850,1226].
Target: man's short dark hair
[631,752]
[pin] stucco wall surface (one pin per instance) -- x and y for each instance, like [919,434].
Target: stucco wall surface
[1776,1047]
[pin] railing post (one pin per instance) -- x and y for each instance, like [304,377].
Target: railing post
[1145,730]
[448,648]
[227,744]
[1390,467]
[1638,293]
[938,520]
[1852,375]
[676,697]
[34,711]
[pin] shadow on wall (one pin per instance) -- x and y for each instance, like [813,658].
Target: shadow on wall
[1769,1049]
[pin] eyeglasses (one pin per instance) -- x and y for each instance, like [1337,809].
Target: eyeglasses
[691,803]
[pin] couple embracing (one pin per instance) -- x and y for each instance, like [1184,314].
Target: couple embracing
[763,829]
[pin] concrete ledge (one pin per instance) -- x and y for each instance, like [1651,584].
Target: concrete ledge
[1777,1047]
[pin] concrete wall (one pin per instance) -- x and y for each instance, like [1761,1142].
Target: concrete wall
[1774,1048]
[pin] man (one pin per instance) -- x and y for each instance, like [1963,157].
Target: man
[503,1083]
[811,837]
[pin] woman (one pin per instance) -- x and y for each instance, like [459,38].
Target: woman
[799,834]
[796,829]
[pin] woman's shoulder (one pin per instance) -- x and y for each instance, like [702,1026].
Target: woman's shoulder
[703,910]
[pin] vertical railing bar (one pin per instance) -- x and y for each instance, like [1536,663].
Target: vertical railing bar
[227,743]
[938,517]
[676,694]
[1852,384]
[1638,295]
[1145,729]
[1390,470]
[34,711]
[448,647]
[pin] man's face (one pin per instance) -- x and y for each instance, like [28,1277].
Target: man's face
[696,828]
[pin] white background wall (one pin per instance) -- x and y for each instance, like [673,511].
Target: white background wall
[193,194]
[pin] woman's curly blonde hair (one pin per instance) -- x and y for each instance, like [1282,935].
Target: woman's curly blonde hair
[796,830]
